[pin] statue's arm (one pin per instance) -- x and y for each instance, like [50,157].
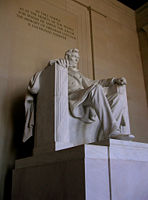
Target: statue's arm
[106,82]
[87,82]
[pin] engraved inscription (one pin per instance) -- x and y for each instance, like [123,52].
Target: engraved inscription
[47,23]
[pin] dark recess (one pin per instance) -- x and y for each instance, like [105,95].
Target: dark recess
[134,4]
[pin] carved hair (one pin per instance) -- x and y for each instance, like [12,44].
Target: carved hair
[69,52]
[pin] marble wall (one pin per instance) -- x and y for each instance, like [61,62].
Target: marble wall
[38,30]
[116,53]
[142,27]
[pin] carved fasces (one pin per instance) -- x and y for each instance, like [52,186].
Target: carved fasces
[61,103]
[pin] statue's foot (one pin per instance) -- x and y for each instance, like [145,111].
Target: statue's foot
[121,136]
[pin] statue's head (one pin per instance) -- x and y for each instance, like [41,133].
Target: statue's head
[72,55]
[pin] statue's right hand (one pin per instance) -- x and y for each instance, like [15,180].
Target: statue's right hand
[63,62]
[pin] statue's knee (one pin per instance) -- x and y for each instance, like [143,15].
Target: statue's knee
[99,88]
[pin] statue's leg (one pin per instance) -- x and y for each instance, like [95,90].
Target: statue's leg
[117,105]
[99,102]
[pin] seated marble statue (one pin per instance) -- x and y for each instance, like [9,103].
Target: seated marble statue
[87,99]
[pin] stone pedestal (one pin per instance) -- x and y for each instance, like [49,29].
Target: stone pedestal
[111,170]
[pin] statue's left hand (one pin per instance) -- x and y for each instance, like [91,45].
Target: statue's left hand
[120,81]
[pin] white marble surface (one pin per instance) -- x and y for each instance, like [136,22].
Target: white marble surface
[96,179]
[96,152]
[129,179]
[126,150]
[128,168]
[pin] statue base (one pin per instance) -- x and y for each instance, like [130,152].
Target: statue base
[110,170]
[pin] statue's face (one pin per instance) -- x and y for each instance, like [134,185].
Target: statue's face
[73,59]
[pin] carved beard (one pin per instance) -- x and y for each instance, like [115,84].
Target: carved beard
[72,64]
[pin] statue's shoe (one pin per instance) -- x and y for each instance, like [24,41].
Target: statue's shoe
[121,136]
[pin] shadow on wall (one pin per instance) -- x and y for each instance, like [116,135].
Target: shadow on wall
[18,149]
